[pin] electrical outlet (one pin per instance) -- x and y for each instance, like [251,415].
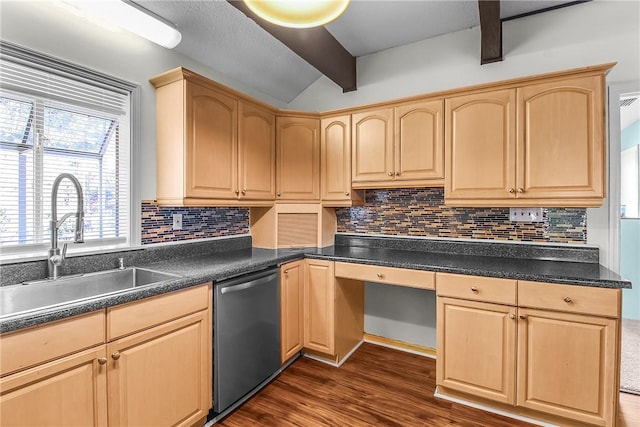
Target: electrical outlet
[177,221]
[525,215]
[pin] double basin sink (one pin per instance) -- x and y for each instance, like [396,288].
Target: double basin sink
[42,294]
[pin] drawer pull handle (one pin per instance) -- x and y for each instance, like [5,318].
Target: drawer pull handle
[102,360]
[115,356]
[512,316]
[474,289]
[567,300]
[523,317]
[379,275]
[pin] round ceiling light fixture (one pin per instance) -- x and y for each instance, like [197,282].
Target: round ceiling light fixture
[298,13]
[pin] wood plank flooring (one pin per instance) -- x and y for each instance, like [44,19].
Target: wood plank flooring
[376,386]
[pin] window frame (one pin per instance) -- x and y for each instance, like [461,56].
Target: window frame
[66,69]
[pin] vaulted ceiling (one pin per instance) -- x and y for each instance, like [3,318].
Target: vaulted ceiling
[221,36]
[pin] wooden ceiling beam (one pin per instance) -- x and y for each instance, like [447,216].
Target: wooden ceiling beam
[491,31]
[315,45]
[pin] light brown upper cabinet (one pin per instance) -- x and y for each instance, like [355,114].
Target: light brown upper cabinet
[335,162]
[212,147]
[297,158]
[537,144]
[399,146]
[256,152]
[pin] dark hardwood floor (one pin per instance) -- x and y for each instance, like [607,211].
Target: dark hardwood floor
[377,386]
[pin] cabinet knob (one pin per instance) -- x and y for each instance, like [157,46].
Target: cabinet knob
[286,272]
[474,289]
[520,190]
[237,192]
[512,316]
[379,275]
[102,360]
[390,173]
[346,193]
[115,356]
[568,300]
[397,173]
[244,192]
[278,194]
[523,317]
[512,190]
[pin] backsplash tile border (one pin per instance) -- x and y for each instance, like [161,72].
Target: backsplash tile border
[421,212]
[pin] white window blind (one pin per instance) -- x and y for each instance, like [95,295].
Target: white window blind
[53,122]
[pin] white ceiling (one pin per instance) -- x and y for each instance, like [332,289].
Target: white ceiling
[223,38]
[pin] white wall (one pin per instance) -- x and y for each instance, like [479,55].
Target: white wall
[53,30]
[586,34]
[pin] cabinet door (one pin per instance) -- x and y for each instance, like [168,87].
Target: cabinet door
[67,392]
[480,145]
[319,313]
[566,365]
[419,147]
[211,144]
[372,146]
[298,158]
[561,146]
[256,153]
[335,151]
[476,348]
[162,376]
[291,308]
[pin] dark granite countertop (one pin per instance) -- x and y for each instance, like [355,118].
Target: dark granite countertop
[201,267]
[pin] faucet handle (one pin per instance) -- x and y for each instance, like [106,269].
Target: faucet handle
[64,251]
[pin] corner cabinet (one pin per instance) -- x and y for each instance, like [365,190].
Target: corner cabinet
[400,146]
[297,158]
[535,144]
[213,148]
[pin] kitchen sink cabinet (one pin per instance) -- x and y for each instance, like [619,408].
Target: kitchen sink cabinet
[213,148]
[297,159]
[400,146]
[335,162]
[71,391]
[291,308]
[553,355]
[538,143]
[161,376]
[151,367]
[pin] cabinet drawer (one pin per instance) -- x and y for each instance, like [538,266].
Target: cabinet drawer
[570,298]
[489,289]
[32,346]
[389,275]
[129,318]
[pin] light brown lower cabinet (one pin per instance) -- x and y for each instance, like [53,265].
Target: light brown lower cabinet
[291,308]
[330,320]
[554,356]
[159,374]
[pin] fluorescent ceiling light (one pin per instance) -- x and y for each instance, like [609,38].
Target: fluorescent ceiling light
[298,13]
[131,17]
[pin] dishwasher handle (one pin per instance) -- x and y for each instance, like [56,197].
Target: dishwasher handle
[246,285]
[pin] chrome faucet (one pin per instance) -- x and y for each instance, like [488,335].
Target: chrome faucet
[55,257]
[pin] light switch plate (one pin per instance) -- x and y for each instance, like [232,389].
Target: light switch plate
[177,221]
[526,214]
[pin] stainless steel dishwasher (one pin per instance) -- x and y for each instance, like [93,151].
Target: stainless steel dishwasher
[246,337]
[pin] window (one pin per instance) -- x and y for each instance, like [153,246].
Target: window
[54,121]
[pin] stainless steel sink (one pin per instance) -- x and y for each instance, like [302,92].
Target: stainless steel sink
[48,293]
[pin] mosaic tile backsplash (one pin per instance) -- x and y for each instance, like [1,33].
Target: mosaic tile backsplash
[197,223]
[421,212]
